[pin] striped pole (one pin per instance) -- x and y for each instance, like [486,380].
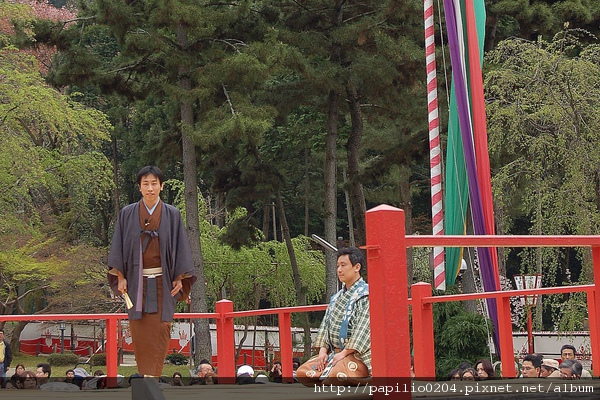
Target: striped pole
[437,213]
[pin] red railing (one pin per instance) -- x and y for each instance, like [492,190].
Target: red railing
[385,230]
[224,317]
[389,303]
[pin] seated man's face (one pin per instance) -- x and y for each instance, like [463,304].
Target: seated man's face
[70,375]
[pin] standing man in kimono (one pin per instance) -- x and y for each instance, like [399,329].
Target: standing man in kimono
[344,336]
[150,260]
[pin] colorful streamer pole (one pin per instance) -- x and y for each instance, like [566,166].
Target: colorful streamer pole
[435,161]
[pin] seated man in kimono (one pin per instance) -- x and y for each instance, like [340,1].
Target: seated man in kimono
[344,337]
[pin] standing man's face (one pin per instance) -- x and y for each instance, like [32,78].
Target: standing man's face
[1,335]
[347,273]
[150,187]
[567,354]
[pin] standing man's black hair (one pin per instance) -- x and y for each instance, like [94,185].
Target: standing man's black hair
[150,169]
[355,255]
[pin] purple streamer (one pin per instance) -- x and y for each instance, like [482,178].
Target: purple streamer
[462,101]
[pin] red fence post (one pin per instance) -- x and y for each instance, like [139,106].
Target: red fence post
[388,294]
[225,342]
[111,351]
[507,350]
[593,319]
[285,346]
[422,324]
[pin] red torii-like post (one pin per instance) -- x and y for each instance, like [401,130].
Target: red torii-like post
[388,296]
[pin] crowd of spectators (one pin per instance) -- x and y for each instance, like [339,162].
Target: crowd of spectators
[532,366]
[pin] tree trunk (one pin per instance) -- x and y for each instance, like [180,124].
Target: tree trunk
[406,205]
[348,209]
[330,168]
[355,186]
[330,177]
[306,190]
[16,335]
[202,341]
[300,289]
[115,176]
[266,217]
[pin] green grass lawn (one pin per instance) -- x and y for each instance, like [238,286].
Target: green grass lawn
[31,362]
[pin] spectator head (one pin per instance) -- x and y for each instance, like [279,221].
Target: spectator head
[567,352]
[464,365]
[204,369]
[485,369]
[20,369]
[531,366]
[70,374]
[566,369]
[468,374]
[570,369]
[548,366]
[455,374]
[43,371]
[244,375]
[28,380]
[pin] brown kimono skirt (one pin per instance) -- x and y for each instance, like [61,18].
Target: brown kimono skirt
[151,337]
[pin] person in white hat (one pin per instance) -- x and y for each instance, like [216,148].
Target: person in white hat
[244,375]
[549,369]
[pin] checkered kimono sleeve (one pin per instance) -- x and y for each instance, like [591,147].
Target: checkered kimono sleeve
[322,335]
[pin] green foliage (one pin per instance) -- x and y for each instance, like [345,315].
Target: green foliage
[58,359]
[241,232]
[545,150]
[50,153]
[459,336]
[263,271]
[98,359]
[27,278]
[530,20]
[177,359]
[421,267]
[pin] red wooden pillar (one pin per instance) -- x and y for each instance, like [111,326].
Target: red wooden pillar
[507,351]
[422,324]
[225,342]
[285,346]
[593,309]
[388,295]
[111,351]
